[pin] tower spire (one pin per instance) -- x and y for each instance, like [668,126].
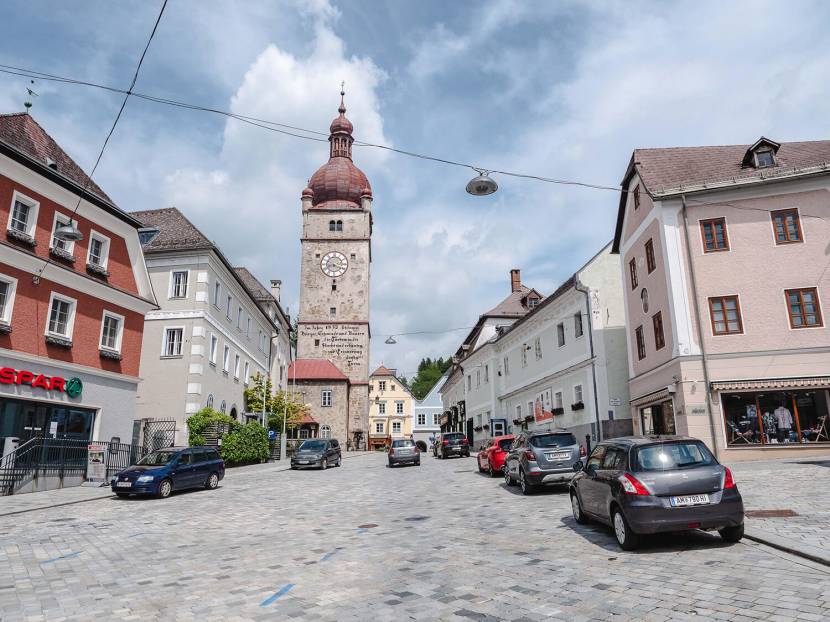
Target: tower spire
[342,108]
[341,131]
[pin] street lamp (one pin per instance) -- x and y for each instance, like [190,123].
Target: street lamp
[482,184]
[390,340]
[69,233]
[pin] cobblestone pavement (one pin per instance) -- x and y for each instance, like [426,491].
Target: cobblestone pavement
[801,486]
[449,544]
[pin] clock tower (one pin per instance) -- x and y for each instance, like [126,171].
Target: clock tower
[333,321]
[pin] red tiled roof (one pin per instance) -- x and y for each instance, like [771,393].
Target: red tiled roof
[21,132]
[307,419]
[314,369]
[382,371]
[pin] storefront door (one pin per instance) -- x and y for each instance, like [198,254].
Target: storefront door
[658,418]
[34,418]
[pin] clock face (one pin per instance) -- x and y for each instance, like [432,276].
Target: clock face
[334,264]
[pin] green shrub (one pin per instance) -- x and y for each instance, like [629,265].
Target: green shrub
[198,423]
[248,443]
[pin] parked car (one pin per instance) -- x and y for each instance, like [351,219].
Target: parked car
[645,485]
[491,458]
[317,452]
[404,451]
[173,468]
[542,458]
[451,444]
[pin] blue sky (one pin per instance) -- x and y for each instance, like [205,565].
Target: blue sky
[558,89]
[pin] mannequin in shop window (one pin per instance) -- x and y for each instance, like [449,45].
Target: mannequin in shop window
[783,423]
[770,426]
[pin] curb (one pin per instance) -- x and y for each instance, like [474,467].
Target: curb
[818,555]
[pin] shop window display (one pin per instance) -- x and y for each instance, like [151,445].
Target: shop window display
[777,417]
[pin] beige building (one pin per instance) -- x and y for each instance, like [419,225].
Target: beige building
[390,408]
[725,269]
[216,327]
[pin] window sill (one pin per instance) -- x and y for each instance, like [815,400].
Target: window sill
[171,356]
[95,269]
[56,340]
[212,364]
[225,373]
[19,236]
[62,255]
[109,354]
[5,328]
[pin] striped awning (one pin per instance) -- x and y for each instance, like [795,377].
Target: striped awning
[771,383]
[651,398]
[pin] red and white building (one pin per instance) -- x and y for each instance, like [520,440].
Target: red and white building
[71,313]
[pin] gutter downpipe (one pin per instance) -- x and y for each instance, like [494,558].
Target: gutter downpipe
[584,290]
[699,327]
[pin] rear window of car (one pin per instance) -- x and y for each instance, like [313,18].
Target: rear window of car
[553,440]
[505,444]
[672,456]
[452,437]
[403,443]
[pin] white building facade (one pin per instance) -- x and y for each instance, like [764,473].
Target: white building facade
[426,423]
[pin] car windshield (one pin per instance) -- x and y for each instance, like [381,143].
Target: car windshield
[313,445]
[453,437]
[403,443]
[671,456]
[553,440]
[505,444]
[158,458]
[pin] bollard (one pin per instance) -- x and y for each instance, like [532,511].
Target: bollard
[588,444]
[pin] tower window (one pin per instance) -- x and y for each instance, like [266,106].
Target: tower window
[352,256]
[334,286]
[317,255]
[332,225]
[316,343]
[333,311]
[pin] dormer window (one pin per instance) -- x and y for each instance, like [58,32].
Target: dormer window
[761,154]
[764,158]
[532,302]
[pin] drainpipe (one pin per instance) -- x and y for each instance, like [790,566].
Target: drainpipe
[699,326]
[584,290]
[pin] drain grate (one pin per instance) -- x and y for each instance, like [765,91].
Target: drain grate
[770,513]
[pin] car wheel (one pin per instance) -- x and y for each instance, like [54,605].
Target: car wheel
[526,486]
[480,468]
[212,482]
[576,508]
[122,494]
[490,470]
[627,539]
[165,488]
[508,481]
[339,461]
[293,468]
[324,464]
[390,464]
[732,534]
[418,463]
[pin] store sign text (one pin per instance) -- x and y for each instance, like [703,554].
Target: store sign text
[9,375]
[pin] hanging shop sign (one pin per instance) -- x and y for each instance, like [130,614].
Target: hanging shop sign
[72,387]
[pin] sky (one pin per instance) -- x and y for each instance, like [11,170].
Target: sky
[557,89]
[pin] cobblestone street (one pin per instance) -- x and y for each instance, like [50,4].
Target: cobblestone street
[286,545]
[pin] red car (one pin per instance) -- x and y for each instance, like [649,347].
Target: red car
[491,458]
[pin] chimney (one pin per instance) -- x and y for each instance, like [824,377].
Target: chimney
[515,280]
[276,284]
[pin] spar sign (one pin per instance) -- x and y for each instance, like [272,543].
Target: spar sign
[72,387]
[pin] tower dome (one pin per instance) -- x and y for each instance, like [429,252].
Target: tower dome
[339,181]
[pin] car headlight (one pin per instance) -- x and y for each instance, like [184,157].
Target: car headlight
[145,478]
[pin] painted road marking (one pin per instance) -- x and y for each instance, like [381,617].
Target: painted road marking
[68,555]
[281,592]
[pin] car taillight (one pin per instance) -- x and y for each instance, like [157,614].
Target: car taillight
[464,441]
[582,451]
[417,449]
[391,451]
[632,486]
[445,443]
[530,455]
[728,480]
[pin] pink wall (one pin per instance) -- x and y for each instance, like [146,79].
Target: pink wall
[634,217]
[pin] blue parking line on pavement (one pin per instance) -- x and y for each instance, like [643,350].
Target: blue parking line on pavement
[54,559]
[135,535]
[327,556]
[281,592]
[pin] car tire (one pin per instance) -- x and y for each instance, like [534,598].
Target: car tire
[467,455]
[418,463]
[576,509]
[293,468]
[508,480]
[122,494]
[626,538]
[212,482]
[165,488]
[480,468]
[390,464]
[490,470]
[732,534]
[324,464]
[526,486]
[339,461]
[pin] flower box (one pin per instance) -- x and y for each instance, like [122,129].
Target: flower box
[62,342]
[5,328]
[529,418]
[61,254]
[19,236]
[558,411]
[97,270]
[517,421]
[109,354]
[577,406]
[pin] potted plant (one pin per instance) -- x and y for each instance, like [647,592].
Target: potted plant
[517,422]
[558,411]
[529,418]
[577,406]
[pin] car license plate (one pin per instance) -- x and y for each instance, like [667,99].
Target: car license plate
[556,456]
[123,484]
[405,451]
[302,461]
[687,500]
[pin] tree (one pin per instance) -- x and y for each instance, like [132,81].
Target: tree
[429,372]
[292,337]
[276,404]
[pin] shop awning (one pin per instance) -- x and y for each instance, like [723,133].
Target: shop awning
[771,383]
[651,398]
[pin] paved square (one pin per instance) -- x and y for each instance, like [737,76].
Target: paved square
[449,544]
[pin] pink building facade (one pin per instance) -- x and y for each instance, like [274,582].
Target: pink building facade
[725,257]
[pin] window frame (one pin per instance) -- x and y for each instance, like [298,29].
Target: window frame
[120,333]
[379,427]
[397,427]
[237,361]
[657,321]
[818,314]
[758,152]
[799,228]
[399,407]
[382,407]
[506,365]
[70,316]
[7,311]
[578,324]
[226,359]
[69,245]
[31,219]
[636,194]
[560,335]
[640,341]
[246,378]
[537,347]
[422,419]
[217,293]
[228,306]
[703,223]
[213,352]
[165,342]
[105,249]
[171,294]
[651,263]
[632,273]
[559,399]
[726,332]
[579,399]
[326,398]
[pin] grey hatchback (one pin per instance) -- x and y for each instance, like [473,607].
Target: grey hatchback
[542,458]
[404,451]
[317,452]
[645,485]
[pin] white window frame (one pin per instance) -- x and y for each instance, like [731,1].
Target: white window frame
[247,375]
[69,245]
[214,349]
[105,249]
[70,320]
[558,400]
[378,427]
[118,337]
[382,407]
[398,407]
[518,411]
[577,399]
[248,328]
[381,385]
[164,342]
[325,431]
[506,365]
[171,294]
[34,209]
[226,359]
[537,347]
[325,398]
[237,361]
[564,340]
[422,419]
[7,311]
[217,293]
[436,418]
[239,318]
[486,374]
[397,427]
[478,378]
[228,305]
[524,355]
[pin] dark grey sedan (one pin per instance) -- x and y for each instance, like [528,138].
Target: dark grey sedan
[317,452]
[645,485]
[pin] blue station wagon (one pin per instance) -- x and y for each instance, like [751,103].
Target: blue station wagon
[173,468]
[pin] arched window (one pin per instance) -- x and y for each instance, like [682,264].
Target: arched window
[210,401]
[223,408]
[325,431]
[339,225]
[233,411]
[332,225]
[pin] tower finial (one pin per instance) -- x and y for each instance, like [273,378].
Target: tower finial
[342,109]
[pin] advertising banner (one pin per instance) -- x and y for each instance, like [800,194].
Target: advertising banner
[96,468]
[542,406]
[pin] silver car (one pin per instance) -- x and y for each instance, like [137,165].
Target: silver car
[404,451]
[645,485]
[542,458]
